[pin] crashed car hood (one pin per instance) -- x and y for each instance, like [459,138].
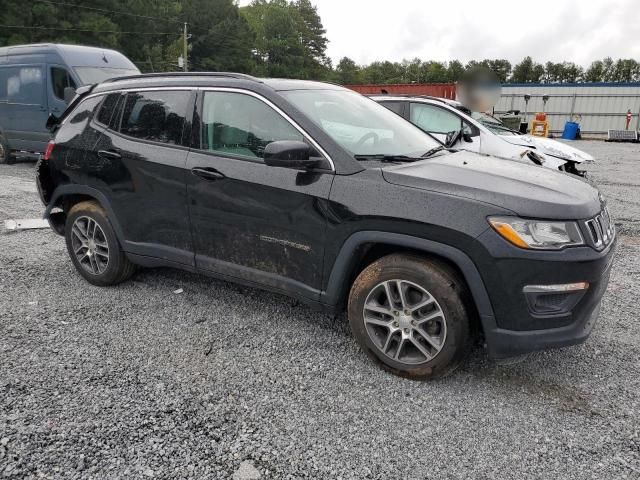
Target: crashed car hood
[527,190]
[550,147]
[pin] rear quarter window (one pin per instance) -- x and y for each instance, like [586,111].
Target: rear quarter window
[107,108]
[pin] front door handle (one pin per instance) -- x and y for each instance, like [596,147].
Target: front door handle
[207,173]
[109,155]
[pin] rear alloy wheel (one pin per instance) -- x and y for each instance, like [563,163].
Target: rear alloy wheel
[408,314]
[93,246]
[90,245]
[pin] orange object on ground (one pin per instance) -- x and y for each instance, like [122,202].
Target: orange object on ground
[539,128]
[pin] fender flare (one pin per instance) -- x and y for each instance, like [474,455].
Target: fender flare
[64,190]
[345,262]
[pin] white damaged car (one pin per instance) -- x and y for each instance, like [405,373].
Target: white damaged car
[458,127]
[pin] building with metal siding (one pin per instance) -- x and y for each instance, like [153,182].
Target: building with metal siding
[597,107]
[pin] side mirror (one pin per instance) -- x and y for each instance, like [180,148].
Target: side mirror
[452,138]
[69,93]
[467,137]
[290,154]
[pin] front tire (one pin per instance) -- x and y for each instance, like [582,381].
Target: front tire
[93,246]
[408,314]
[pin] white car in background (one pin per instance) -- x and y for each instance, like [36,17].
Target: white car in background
[458,127]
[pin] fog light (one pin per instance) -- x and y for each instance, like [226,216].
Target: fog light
[562,288]
[545,300]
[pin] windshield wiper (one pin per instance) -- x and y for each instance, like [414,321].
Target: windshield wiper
[387,158]
[437,149]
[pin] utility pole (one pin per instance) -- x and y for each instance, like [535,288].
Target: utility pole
[185,53]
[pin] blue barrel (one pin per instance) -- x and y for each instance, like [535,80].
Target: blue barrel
[570,130]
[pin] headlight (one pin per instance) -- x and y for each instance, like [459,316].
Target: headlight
[537,234]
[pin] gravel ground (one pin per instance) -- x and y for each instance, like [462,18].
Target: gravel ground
[222,381]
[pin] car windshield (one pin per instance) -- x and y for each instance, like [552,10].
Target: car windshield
[360,125]
[90,75]
[492,123]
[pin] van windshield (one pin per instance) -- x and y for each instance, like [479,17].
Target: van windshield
[359,124]
[90,75]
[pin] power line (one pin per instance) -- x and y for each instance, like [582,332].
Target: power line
[117,32]
[104,10]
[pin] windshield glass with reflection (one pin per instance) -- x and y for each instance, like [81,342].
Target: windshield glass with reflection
[359,124]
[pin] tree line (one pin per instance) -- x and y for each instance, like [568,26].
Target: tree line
[274,38]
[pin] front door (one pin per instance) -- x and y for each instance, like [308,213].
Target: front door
[59,79]
[263,225]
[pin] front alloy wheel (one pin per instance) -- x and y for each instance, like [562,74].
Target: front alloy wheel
[409,314]
[404,321]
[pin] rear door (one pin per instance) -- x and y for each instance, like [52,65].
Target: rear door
[140,164]
[264,225]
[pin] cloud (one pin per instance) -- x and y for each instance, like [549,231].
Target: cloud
[472,30]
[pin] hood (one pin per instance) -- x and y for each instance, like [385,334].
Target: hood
[527,190]
[550,147]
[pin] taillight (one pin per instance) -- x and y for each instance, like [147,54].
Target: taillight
[49,150]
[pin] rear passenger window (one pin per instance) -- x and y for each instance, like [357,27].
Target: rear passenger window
[107,108]
[155,116]
[60,79]
[240,124]
[23,85]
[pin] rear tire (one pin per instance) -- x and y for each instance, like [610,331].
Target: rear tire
[409,315]
[93,246]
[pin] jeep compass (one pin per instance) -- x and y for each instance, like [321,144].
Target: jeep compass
[316,192]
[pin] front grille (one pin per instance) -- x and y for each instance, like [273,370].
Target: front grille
[601,229]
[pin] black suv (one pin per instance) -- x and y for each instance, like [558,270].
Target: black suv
[314,191]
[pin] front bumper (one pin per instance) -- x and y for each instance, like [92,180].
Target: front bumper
[515,329]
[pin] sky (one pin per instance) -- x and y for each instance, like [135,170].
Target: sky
[547,30]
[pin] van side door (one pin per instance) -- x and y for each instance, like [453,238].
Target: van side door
[25,111]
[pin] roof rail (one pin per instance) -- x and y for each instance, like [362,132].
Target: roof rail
[186,74]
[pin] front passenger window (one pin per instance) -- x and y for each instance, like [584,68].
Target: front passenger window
[240,124]
[60,79]
[434,119]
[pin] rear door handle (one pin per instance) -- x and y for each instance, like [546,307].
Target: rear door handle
[207,173]
[109,155]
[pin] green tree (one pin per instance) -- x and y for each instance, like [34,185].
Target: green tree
[527,71]
[595,72]
[455,69]
[348,73]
